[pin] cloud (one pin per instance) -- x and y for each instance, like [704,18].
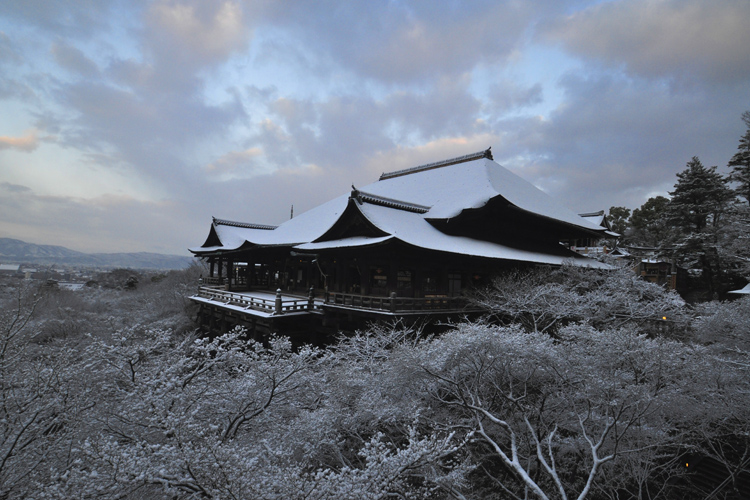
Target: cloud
[77,19]
[102,224]
[446,109]
[7,51]
[343,131]
[401,42]
[233,161]
[507,95]
[616,140]
[14,188]
[706,40]
[74,60]
[155,134]
[196,33]
[26,143]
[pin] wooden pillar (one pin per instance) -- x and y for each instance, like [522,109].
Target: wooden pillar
[365,278]
[250,273]
[417,281]
[393,275]
[230,274]
[211,263]
[340,285]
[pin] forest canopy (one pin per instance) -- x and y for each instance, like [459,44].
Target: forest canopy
[577,392]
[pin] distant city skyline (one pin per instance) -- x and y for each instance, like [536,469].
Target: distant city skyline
[126,125]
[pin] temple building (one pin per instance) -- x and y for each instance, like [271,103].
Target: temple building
[410,244]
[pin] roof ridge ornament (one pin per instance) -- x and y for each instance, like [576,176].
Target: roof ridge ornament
[487,153]
[247,225]
[592,214]
[362,197]
[355,195]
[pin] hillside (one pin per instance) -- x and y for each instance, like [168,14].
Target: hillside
[19,252]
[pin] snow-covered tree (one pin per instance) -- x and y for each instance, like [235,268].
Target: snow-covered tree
[700,198]
[543,300]
[233,418]
[700,203]
[648,223]
[740,162]
[591,403]
[42,399]
[618,219]
[548,417]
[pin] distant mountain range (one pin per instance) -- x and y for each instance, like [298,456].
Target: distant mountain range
[19,252]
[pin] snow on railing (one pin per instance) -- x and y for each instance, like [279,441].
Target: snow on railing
[395,304]
[283,305]
[278,305]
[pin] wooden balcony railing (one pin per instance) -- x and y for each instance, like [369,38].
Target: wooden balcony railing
[396,304]
[213,281]
[278,305]
[282,305]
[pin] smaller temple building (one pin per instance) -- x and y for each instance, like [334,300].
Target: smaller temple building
[408,245]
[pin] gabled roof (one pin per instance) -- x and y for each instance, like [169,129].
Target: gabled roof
[600,219]
[412,229]
[406,205]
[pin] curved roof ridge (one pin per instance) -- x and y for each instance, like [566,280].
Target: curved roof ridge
[248,225]
[592,214]
[363,197]
[443,163]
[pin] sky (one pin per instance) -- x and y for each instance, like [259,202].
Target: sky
[125,125]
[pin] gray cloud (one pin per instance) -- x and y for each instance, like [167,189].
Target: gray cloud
[14,188]
[77,19]
[181,39]
[706,40]
[617,140]
[7,51]
[410,41]
[103,224]
[344,131]
[74,60]
[507,95]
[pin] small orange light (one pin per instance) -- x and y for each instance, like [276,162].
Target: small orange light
[687,464]
[664,318]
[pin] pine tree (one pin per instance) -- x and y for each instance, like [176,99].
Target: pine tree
[740,162]
[699,202]
[618,219]
[648,224]
[699,199]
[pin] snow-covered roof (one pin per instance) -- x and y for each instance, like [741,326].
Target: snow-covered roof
[655,261]
[413,229]
[742,291]
[401,206]
[599,219]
